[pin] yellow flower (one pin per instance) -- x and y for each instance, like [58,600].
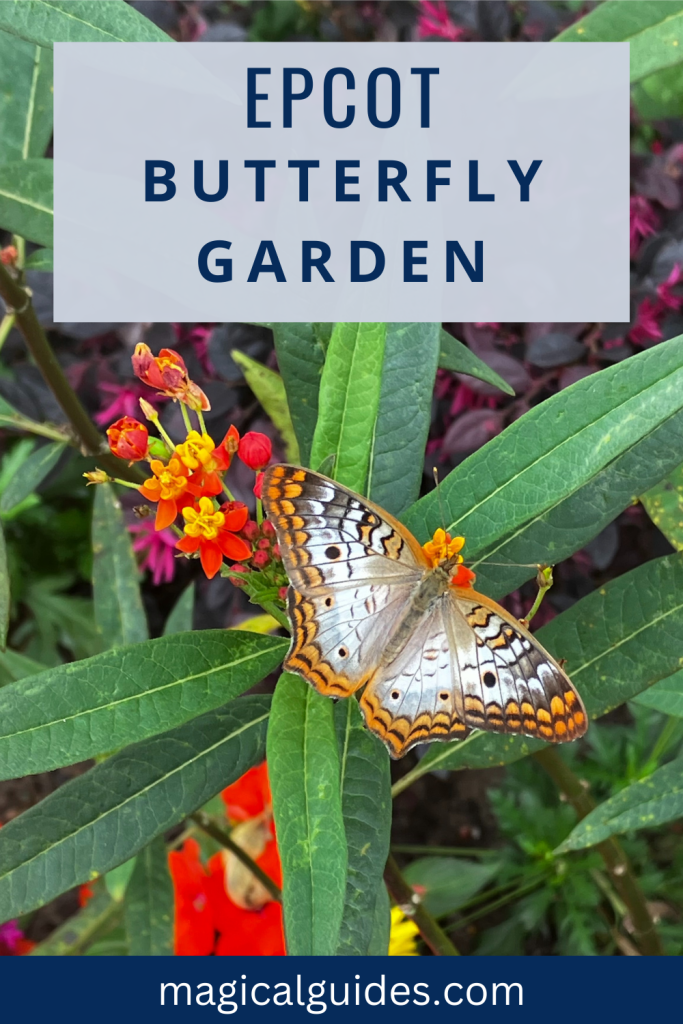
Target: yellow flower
[442,547]
[196,450]
[203,520]
[403,934]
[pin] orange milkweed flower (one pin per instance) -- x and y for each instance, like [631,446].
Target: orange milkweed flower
[128,439]
[168,374]
[205,461]
[213,533]
[171,488]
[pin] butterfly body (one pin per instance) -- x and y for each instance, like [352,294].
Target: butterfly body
[371,608]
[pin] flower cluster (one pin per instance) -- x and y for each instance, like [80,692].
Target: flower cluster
[651,312]
[187,482]
[444,548]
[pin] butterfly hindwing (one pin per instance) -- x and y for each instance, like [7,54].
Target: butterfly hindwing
[519,687]
[352,576]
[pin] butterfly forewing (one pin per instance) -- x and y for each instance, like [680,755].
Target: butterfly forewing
[352,576]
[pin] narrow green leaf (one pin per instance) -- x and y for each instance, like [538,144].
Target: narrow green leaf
[102,818]
[381,924]
[15,666]
[349,399]
[455,356]
[119,611]
[666,695]
[41,259]
[644,804]
[300,350]
[5,597]
[25,98]
[30,475]
[653,29]
[448,882]
[100,914]
[49,21]
[26,198]
[664,505]
[303,762]
[270,391]
[546,485]
[182,613]
[398,442]
[366,808]
[76,711]
[618,641]
[149,903]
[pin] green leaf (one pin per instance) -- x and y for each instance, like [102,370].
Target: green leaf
[553,479]
[5,597]
[119,611]
[349,400]
[76,711]
[398,442]
[664,505]
[660,96]
[118,878]
[26,197]
[618,641]
[300,350]
[149,903]
[303,763]
[25,98]
[31,474]
[102,818]
[644,804]
[182,613]
[100,914]
[41,259]
[381,924]
[366,807]
[653,29]
[15,666]
[270,391]
[666,695]
[448,881]
[455,356]
[49,21]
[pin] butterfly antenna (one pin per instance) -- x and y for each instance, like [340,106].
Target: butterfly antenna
[442,510]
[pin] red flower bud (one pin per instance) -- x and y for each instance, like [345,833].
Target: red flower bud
[167,373]
[128,439]
[255,450]
[250,530]
[261,559]
[267,528]
[276,553]
[263,544]
[9,255]
[258,486]
[244,570]
[282,593]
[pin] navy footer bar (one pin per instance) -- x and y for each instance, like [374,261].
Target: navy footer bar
[284,989]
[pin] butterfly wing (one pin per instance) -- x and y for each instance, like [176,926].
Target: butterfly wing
[470,665]
[512,684]
[353,569]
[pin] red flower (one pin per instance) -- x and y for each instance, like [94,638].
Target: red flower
[213,533]
[644,222]
[258,486]
[167,373]
[194,921]
[128,439]
[255,450]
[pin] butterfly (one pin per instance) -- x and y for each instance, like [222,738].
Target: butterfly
[369,606]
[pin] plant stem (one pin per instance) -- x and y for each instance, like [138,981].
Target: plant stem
[222,836]
[544,581]
[86,433]
[431,932]
[611,851]
[15,421]
[6,325]
[279,616]
[444,851]
[186,418]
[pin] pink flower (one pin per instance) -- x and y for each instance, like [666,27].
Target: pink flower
[198,336]
[434,20]
[644,222]
[664,290]
[159,549]
[10,937]
[646,327]
[126,401]
[496,327]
